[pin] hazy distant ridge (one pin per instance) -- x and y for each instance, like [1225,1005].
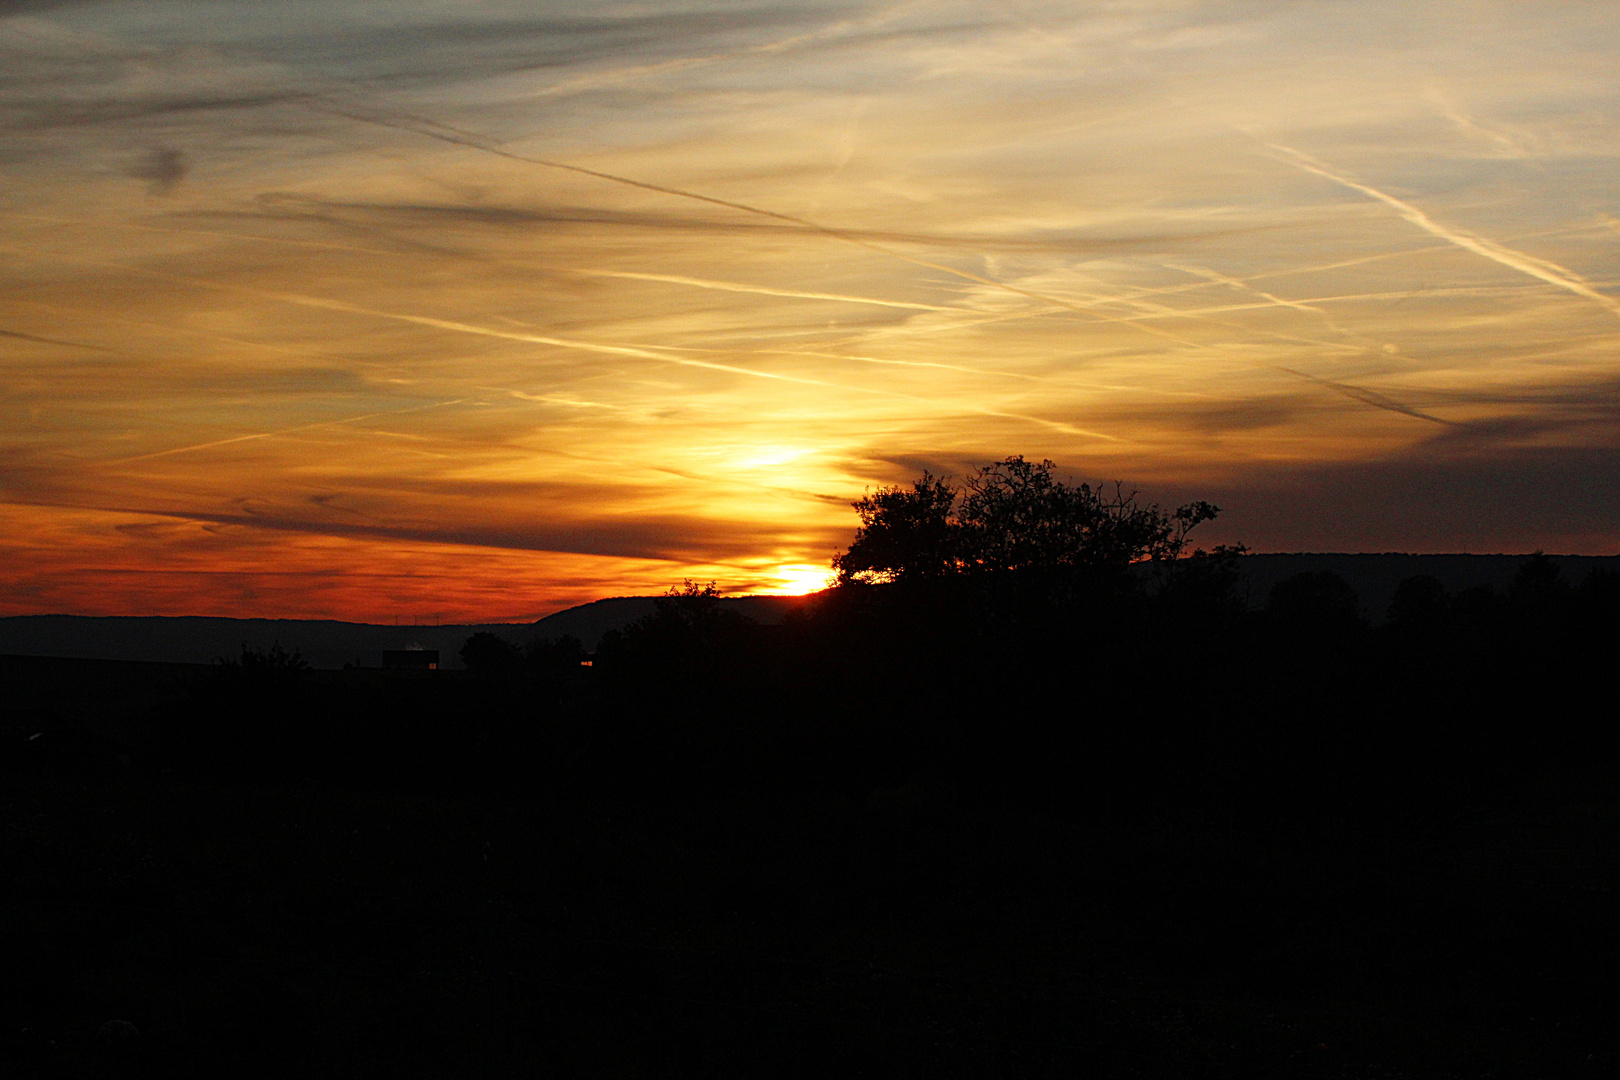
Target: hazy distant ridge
[197,639]
[325,643]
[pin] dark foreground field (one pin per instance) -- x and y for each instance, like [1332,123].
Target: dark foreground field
[932,835]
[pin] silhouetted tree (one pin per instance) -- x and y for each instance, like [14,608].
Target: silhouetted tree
[561,656]
[1597,613]
[1419,605]
[487,655]
[1318,598]
[686,642]
[1012,516]
[1537,580]
[1016,516]
[903,534]
[555,666]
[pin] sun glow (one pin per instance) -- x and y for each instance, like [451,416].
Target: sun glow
[798,580]
[765,457]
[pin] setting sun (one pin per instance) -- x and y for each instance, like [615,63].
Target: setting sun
[800,580]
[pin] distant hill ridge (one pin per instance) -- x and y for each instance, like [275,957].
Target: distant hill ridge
[327,643]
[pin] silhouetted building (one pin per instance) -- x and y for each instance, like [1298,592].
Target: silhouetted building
[411,659]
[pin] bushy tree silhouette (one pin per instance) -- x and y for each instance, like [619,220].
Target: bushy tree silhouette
[1016,516]
[1012,516]
[903,534]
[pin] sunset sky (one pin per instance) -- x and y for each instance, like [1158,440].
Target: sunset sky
[472,311]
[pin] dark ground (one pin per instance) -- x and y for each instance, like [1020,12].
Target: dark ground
[1211,845]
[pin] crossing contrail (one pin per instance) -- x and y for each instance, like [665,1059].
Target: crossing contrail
[878,360]
[511,335]
[1240,285]
[1546,270]
[617,76]
[278,431]
[432,129]
[1366,396]
[442,324]
[762,290]
[53,341]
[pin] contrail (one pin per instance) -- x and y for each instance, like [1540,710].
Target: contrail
[636,71]
[908,363]
[175,231]
[1547,271]
[549,399]
[1163,290]
[280,431]
[1366,397]
[445,133]
[541,339]
[909,328]
[186,331]
[443,324]
[1382,255]
[1149,310]
[1461,290]
[432,129]
[674,279]
[1321,267]
[1457,290]
[1449,109]
[53,341]
[1055,425]
[1361,394]
[536,339]
[1243,286]
[624,74]
[872,360]
[456,136]
[731,286]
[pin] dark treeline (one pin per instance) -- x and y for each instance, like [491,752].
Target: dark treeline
[1066,806]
